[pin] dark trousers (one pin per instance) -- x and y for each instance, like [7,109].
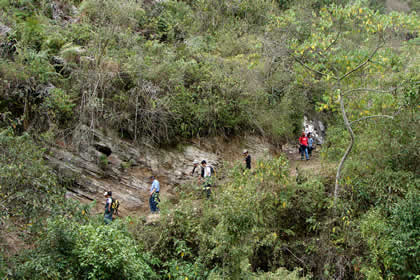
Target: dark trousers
[304,151]
[207,190]
[153,202]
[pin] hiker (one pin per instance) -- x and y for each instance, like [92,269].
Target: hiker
[206,173]
[247,159]
[303,148]
[108,207]
[310,144]
[195,171]
[154,195]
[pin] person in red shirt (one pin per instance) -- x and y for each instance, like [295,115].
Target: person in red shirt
[303,149]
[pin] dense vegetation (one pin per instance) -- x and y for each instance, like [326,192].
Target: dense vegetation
[159,72]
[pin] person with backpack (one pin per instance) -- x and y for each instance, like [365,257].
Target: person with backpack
[310,144]
[108,207]
[154,195]
[303,148]
[206,177]
[196,169]
[247,159]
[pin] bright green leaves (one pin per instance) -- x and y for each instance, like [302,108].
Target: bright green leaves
[341,37]
[27,184]
[113,14]
[352,42]
[60,105]
[70,250]
[393,239]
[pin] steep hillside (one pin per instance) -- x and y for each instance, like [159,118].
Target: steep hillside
[116,165]
[97,95]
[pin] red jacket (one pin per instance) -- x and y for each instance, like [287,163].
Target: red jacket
[303,140]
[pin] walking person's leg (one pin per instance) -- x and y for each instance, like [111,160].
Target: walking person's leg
[152,204]
[208,191]
[301,148]
[306,153]
[107,219]
[156,199]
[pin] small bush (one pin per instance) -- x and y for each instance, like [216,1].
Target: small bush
[394,241]
[69,250]
[103,162]
[60,105]
[28,184]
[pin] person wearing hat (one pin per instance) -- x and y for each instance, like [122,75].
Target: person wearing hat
[108,207]
[154,195]
[247,159]
[195,171]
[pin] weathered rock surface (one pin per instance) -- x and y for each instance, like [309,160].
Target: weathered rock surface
[96,163]
[4,29]
[316,127]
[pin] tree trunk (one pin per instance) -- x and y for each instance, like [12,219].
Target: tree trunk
[349,147]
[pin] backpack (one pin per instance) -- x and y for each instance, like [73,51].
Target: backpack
[211,171]
[114,205]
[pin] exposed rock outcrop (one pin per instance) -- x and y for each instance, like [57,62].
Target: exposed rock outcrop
[316,127]
[96,163]
[4,29]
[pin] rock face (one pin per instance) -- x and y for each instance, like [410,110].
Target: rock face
[316,127]
[4,29]
[397,5]
[96,163]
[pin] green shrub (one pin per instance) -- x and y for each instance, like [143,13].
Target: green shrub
[404,231]
[28,184]
[31,32]
[69,250]
[394,241]
[113,14]
[3,267]
[103,162]
[241,230]
[60,104]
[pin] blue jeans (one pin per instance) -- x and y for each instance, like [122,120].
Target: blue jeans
[153,202]
[304,150]
[107,217]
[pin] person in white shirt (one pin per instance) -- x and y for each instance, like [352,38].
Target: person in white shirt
[206,177]
[108,207]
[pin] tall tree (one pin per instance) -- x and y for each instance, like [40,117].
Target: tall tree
[348,49]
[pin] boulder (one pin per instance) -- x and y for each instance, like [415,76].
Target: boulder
[316,127]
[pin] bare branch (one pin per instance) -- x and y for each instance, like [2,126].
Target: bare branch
[306,66]
[368,89]
[362,64]
[373,116]
[335,40]
[287,249]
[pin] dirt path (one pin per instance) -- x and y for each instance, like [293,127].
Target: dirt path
[312,166]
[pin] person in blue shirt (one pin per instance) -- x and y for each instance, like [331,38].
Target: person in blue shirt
[310,144]
[154,195]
